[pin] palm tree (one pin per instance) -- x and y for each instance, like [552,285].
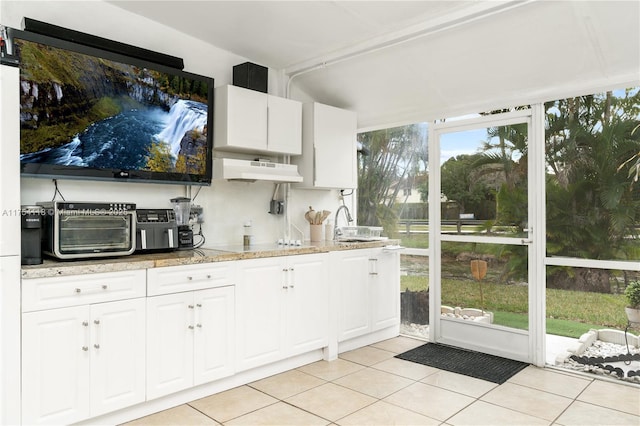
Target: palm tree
[389,158]
[592,212]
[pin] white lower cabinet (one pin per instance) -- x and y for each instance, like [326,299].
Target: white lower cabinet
[282,309]
[190,339]
[368,287]
[82,361]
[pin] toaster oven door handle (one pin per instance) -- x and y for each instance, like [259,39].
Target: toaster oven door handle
[143,239]
[170,236]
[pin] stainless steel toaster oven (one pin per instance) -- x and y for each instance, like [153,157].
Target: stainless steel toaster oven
[73,230]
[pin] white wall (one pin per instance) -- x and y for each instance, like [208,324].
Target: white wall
[226,204]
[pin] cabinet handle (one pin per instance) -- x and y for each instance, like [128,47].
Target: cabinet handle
[191,327]
[97,346]
[204,277]
[96,322]
[199,325]
[86,337]
[190,306]
[78,290]
[285,286]
[199,305]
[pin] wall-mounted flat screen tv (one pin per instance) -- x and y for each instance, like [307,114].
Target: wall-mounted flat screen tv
[92,114]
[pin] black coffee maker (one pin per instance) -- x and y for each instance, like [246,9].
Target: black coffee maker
[31,235]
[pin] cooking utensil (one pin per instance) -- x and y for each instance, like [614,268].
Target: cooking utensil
[325,214]
[310,215]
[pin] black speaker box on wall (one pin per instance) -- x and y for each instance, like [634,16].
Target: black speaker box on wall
[66,34]
[251,76]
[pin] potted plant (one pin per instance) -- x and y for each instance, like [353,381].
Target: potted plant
[632,292]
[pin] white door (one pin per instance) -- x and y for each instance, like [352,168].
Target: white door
[170,332]
[246,106]
[334,147]
[261,288]
[117,355]
[385,287]
[213,353]
[352,282]
[308,303]
[484,257]
[284,126]
[55,366]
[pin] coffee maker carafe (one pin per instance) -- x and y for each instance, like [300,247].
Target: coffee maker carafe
[182,209]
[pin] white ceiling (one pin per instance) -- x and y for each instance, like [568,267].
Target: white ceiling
[401,61]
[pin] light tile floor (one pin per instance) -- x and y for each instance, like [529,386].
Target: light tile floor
[368,386]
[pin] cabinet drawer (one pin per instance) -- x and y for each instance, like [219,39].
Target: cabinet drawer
[174,279]
[74,290]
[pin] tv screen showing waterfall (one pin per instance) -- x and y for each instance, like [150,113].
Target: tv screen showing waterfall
[91,114]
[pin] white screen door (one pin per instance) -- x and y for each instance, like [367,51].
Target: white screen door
[484,269]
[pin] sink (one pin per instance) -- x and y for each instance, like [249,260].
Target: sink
[359,233]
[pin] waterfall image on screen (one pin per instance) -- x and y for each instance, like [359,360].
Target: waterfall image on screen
[90,112]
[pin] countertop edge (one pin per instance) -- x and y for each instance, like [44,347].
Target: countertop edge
[55,268]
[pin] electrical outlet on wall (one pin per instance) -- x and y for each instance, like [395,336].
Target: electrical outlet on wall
[196,215]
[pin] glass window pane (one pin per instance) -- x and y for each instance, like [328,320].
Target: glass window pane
[414,295]
[484,181]
[579,299]
[393,182]
[485,283]
[593,161]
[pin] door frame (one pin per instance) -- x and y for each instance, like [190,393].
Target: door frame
[522,345]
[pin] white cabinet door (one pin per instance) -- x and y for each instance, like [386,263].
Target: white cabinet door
[368,288]
[169,343]
[117,355]
[190,339]
[385,289]
[55,366]
[260,310]
[255,122]
[308,303]
[351,276]
[240,119]
[282,307]
[284,129]
[82,361]
[214,334]
[328,157]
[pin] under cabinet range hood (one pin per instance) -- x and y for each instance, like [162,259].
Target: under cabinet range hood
[253,170]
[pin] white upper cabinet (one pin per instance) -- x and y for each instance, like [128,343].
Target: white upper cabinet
[256,122]
[328,158]
[284,126]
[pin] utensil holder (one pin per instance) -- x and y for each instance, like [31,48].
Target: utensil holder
[315,232]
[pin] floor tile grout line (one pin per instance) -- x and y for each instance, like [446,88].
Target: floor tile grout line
[598,405]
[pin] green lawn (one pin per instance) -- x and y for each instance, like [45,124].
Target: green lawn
[569,313]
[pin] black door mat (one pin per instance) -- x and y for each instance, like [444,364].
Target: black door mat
[462,361]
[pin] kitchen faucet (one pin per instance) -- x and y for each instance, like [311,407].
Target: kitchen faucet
[337,232]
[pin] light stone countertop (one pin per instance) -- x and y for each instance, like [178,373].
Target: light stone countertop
[55,268]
